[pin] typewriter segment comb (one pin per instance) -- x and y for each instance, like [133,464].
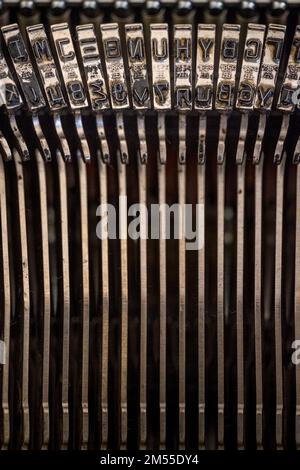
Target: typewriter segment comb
[116,341]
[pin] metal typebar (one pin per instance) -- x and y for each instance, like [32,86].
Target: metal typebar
[63,206]
[26,298]
[258,298]
[102,175]
[124,298]
[221,162]
[162,302]
[142,182]
[182,301]
[297,288]
[280,160]
[201,279]
[7,309]
[241,166]
[46,295]
[82,170]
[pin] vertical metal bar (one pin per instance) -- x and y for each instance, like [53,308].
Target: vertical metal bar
[297,289]
[142,177]
[46,295]
[221,162]
[258,298]
[26,298]
[62,179]
[201,280]
[220,303]
[124,298]
[86,298]
[102,174]
[279,159]
[182,302]
[162,301]
[278,300]
[241,165]
[7,309]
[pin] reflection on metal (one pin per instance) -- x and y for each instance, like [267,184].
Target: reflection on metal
[26,298]
[123,301]
[182,301]
[82,171]
[201,168]
[162,304]
[63,208]
[241,166]
[46,296]
[102,175]
[7,309]
[258,299]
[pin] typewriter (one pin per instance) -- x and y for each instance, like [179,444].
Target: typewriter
[150,225]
